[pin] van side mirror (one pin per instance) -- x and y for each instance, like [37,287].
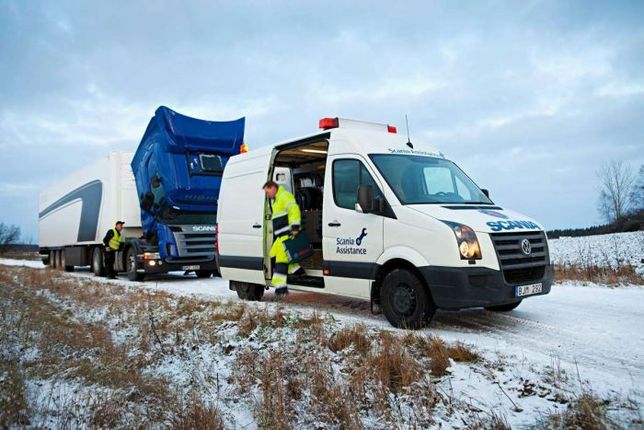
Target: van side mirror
[486,192]
[365,198]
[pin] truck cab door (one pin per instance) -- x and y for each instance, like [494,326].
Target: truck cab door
[352,239]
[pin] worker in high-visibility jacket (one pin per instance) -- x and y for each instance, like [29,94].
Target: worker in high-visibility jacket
[113,242]
[286,219]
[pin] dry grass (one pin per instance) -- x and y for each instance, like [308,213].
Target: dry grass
[85,351]
[14,410]
[492,422]
[623,275]
[355,336]
[585,412]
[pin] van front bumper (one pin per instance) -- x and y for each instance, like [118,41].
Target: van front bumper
[470,287]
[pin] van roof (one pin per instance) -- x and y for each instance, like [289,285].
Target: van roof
[353,140]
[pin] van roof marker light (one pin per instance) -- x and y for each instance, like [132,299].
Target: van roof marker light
[327,123]
[243,148]
[392,129]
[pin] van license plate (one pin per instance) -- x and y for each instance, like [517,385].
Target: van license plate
[528,290]
[196,267]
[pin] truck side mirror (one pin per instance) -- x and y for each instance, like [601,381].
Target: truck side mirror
[365,198]
[486,192]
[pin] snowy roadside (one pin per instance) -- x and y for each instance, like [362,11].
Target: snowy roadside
[612,250]
[531,362]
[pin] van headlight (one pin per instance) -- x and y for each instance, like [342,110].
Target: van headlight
[468,244]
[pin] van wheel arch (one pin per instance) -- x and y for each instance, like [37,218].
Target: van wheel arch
[384,270]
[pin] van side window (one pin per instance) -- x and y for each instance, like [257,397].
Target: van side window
[348,175]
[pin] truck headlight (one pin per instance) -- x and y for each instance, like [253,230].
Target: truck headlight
[468,244]
[151,256]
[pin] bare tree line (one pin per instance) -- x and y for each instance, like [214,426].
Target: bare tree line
[621,191]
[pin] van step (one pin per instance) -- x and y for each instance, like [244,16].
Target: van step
[307,281]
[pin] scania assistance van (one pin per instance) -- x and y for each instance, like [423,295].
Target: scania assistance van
[391,221]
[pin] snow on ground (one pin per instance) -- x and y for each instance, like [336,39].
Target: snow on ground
[592,331]
[614,250]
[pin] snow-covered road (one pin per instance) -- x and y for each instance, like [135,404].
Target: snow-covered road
[594,333]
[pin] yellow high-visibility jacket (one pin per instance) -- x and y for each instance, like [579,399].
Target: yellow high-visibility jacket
[286,213]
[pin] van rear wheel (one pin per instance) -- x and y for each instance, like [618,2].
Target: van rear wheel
[503,308]
[406,302]
[247,291]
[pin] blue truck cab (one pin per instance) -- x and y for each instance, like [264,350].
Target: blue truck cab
[177,169]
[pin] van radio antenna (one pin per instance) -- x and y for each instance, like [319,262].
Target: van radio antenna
[408,136]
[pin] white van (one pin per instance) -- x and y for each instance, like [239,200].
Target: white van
[392,222]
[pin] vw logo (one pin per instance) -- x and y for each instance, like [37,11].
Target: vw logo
[526,247]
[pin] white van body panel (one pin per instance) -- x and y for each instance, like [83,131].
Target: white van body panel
[81,207]
[240,219]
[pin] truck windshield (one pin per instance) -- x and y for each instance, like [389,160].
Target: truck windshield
[419,179]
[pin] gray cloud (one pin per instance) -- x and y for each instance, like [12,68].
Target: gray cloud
[529,98]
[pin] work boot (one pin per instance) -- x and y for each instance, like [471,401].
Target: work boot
[299,273]
[280,294]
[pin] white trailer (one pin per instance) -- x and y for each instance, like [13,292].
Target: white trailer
[75,213]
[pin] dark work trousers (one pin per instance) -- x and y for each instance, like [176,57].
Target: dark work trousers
[110,258]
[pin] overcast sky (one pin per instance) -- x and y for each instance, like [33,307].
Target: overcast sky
[529,98]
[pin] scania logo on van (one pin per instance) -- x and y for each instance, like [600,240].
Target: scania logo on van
[202,228]
[511,225]
[350,245]
[526,247]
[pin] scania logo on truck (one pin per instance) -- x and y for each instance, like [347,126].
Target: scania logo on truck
[349,245]
[511,225]
[202,228]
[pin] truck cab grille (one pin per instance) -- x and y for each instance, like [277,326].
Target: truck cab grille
[194,243]
[518,266]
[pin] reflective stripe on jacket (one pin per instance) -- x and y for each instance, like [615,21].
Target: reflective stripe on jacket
[115,241]
[286,213]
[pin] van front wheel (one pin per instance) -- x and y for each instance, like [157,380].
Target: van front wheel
[405,300]
[247,291]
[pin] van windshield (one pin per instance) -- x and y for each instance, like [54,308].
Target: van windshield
[417,179]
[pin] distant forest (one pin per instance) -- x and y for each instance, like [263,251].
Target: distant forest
[632,222]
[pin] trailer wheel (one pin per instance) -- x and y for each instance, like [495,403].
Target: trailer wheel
[98,265]
[405,300]
[59,259]
[53,259]
[132,267]
[201,274]
[247,291]
[503,308]
[63,262]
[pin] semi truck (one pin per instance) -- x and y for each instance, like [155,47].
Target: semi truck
[166,193]
[390,221]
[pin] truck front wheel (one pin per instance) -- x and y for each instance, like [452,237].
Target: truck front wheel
[247,291]
[132,267]
[405,300]
[98,266]
[503,308]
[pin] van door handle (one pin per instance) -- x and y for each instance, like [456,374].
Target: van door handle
[256,225]
[334,224]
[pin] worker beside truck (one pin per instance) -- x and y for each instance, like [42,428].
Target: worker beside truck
[113,243]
